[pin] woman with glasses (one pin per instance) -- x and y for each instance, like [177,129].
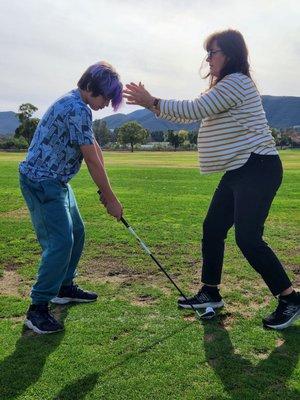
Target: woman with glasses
[234,138]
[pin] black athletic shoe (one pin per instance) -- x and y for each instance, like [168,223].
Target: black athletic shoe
[73,294]
[202,299]
[40,320]
[285,314]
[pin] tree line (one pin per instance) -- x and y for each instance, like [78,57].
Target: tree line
[129,134]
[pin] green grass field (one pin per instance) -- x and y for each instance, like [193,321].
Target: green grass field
[134,343]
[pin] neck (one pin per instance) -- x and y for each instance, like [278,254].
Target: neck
[83,95]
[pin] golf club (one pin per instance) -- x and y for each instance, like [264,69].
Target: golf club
[209,311]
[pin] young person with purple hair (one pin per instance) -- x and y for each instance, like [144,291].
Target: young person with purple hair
[63,138]
[234,138]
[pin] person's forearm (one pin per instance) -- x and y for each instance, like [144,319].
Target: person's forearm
[99,176]
[99,152]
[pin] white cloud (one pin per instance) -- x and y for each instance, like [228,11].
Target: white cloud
[46,45]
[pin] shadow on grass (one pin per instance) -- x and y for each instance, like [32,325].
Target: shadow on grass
[78,389]
[24,366]
[81,387]
[267,380]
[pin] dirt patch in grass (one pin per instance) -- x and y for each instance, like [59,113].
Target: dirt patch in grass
[296,270]
[262,356]
[12,266]
[107,269]
[190,317]
[113,270]
[16,320]
[143,300]
[209,337]
[279,342]
[19,213]
[226,320]
[9,283]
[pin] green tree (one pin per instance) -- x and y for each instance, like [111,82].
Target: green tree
[101,132]
[193,136]
[157,136]
[132,133]
[28,124]
[285,141]
[177,138]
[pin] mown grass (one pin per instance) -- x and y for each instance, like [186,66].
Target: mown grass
[134,343]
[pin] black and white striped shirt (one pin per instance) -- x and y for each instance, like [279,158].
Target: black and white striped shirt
[233,123]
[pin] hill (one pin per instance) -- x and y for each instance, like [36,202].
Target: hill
[281,112]
[8,122]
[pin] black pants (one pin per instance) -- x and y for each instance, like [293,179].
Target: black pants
[243,199]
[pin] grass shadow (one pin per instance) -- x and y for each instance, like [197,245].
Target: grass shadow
[78,389]
[267,380]
[86,384]
[24,366]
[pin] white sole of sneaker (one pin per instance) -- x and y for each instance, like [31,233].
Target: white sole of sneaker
[286,324]
[30,325]
[203,305]
[66,300]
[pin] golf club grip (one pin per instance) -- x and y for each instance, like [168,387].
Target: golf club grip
[124,222]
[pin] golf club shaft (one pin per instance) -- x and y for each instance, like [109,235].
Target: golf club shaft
[156,262]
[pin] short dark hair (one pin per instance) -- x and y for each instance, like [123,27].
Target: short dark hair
[102,79]
[233,46]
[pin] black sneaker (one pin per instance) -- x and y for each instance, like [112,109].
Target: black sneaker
[40,320]
[202,299]
[73,294]
[285,314]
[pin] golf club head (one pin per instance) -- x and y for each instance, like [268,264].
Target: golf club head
[208,314]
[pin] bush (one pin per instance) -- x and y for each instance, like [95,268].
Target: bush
[14,143]
[186,145]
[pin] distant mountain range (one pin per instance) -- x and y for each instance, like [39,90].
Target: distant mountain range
[8,122]
[281,112]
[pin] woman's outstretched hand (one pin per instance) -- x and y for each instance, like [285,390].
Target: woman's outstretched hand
[138,95]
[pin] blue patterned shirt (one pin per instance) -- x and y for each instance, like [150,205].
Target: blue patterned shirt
[54,152]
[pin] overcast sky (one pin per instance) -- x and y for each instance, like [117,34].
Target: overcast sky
[47,44]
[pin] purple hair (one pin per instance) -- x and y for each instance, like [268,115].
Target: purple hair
[102,79]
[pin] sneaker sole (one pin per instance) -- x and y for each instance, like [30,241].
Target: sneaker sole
[66,300]
[35,329]
[203,305]
[286,324]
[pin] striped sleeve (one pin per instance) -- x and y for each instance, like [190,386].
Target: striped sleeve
[226,94]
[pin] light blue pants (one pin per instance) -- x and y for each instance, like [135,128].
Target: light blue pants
[60,232]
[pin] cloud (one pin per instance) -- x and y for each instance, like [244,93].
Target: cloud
[46,45]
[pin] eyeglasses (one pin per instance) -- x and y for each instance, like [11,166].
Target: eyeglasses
[210,53]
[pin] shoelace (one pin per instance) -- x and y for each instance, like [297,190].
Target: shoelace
[285,308]
[44,310]
[75,289]
[290,309]
[202,296]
